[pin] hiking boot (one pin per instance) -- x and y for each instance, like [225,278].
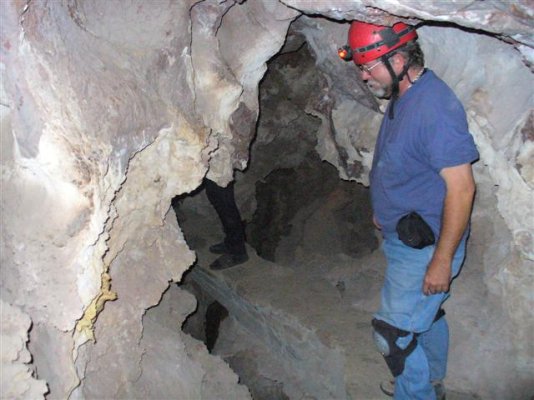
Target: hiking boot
[228,261]
[388,388]
[219,248]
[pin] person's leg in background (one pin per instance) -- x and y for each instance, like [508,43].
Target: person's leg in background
[233,251]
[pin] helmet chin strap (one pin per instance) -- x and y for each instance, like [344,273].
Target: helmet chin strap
[395,82]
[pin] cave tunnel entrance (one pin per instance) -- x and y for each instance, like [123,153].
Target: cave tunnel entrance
[294,205]
[302,208]
[308,229]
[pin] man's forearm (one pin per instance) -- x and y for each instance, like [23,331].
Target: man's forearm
[456,211]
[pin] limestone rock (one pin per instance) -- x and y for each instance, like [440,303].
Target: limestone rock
[17,378]
[110,109]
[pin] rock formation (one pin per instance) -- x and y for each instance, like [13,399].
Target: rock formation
[109,109]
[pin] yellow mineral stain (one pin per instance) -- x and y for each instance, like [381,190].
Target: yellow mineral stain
[86,323]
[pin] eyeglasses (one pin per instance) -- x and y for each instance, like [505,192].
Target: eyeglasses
[365,68]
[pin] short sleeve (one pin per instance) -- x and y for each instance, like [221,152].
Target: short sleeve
[448,141]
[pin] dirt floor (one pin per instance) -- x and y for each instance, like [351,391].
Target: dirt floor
[299,331]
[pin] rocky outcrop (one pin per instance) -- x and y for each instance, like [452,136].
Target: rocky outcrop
[17,379]
[110,109]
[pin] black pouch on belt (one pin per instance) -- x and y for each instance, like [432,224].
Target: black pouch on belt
[413,231]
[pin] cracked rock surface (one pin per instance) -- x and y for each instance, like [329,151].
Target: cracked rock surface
[108,110]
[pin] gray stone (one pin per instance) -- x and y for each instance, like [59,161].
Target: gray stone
[17,379]
[108,110]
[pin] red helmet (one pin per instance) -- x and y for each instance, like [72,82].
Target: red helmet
[369,42]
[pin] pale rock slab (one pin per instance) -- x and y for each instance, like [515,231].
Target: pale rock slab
[105,118]
[228,68]
[17,379]
[85,102]
[186,359]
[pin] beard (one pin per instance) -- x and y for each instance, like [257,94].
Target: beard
[382,91]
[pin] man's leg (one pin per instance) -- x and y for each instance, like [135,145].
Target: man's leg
[428,363]
[223,201]
[414,382]
[405,307]
[435,343]
[400,301]
[233,251]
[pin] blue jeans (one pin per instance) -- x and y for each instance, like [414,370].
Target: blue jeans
[406,307]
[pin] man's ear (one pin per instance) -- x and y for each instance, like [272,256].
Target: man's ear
[398,58]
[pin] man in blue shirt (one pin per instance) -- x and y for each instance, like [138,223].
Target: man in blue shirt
[422,191]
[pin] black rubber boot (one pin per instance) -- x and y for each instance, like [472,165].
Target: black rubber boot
[219,248]
[228,261]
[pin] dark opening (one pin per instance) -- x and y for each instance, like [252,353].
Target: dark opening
[296,208]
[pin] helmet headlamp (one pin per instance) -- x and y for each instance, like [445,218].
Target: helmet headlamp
[345,53]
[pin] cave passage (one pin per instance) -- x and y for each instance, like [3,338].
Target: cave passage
[109,109]
[301,218]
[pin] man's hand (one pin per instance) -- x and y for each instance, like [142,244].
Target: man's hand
[438,277]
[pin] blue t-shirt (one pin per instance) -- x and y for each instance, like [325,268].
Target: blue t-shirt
[429,132]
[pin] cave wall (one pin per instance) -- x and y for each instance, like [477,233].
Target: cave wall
[295,205]
[110,109]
